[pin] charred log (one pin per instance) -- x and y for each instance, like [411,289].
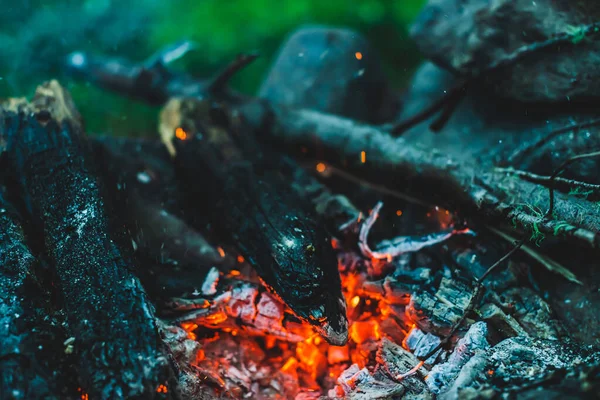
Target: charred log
[105,303]
[252,205]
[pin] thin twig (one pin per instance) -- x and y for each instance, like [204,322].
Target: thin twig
[222,79]
[477,292]
[558,170]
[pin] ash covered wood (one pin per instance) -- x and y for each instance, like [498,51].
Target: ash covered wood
[105,303]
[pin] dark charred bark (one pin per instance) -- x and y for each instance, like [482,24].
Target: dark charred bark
[252,205]
[119,351]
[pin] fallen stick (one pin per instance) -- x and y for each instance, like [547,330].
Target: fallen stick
[428,174]
[119,351]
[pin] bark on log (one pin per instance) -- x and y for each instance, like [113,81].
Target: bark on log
[119,351]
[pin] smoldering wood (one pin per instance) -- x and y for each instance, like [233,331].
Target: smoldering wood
[105,303]
[239,305]
[465,185]
[249,201]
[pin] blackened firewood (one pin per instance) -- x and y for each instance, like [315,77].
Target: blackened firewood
[22,372]
[119,351]
[252,205]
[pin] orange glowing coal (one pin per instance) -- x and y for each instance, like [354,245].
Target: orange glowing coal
[312,364]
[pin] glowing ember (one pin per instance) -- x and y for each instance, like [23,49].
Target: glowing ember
[321,167]
[180,134]
[162,389]
[358,55]
[262,351]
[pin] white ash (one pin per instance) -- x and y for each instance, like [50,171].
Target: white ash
[474,342]
[421,343]
[209,287]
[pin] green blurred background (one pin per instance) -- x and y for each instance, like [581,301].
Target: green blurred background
[36,35]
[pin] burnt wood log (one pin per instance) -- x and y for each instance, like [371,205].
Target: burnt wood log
[252,205]
[468,186]
[119,351]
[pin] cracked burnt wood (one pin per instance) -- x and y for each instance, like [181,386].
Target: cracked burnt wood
[464,184]
[118,349]
[249,201]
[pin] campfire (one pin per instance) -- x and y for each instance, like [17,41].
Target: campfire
[248,343]
[280,247]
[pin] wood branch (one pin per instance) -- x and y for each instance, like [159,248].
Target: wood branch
[118,348]
[427,174]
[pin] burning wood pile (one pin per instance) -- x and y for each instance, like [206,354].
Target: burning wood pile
[292,245]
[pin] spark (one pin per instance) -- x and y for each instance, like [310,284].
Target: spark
[358,55]
[321,167]
[363,156]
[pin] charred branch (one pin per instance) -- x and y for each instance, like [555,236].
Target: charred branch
[252,206]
